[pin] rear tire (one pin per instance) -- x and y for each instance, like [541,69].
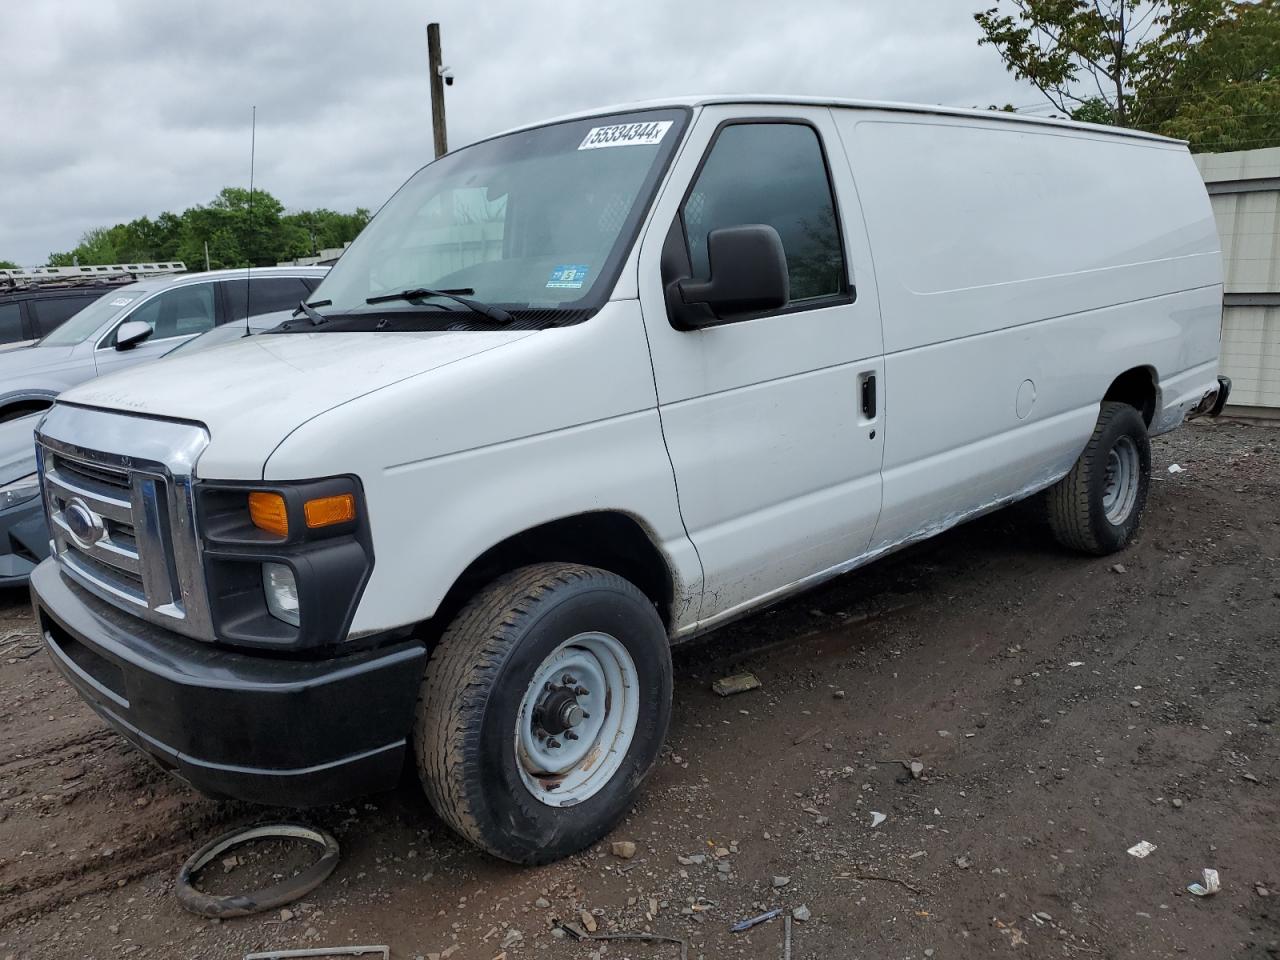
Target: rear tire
[1096,508]
[512,755]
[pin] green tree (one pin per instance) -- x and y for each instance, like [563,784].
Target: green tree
[1224,92]
[1204,70]
[8,265]
[238,234]
[327,229]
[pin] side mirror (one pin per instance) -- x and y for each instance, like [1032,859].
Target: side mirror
[131,333]
[748,272]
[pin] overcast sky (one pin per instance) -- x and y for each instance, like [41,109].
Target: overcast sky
[115,109]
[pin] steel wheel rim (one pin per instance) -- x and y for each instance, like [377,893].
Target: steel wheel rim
[1124,470]
[600,707]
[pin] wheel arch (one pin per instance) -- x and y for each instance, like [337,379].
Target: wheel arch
[19,402]
[609,539]
[1139,387]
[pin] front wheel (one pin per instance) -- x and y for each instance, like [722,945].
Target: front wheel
[1096,507]
[543,709]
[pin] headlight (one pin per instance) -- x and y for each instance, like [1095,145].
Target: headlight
[20,491]
[281,589]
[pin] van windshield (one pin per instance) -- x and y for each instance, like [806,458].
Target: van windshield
[536,222]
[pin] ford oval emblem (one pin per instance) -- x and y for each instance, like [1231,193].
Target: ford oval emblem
[85,525]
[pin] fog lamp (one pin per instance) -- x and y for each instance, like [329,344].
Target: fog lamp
[281,589]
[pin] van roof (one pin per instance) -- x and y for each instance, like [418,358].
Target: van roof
[745,99]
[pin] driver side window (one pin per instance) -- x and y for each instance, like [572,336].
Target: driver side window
[183,312]
[772,173]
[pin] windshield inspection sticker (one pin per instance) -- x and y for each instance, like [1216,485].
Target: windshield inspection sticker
[626,135]
[569,276]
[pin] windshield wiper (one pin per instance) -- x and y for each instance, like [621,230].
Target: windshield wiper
[315,316]
[496,314]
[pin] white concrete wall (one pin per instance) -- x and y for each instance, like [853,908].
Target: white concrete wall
[1244,187]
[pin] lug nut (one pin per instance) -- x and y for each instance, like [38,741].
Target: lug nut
[553,743]
[569,681]
[580,691]
[570,735]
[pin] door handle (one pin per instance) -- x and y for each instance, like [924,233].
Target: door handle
[869,396]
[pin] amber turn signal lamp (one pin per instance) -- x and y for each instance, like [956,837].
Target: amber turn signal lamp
[326,511]
[267,511]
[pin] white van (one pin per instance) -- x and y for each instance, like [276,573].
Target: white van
[595,386]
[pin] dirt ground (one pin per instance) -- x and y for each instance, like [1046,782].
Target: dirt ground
[1063,709]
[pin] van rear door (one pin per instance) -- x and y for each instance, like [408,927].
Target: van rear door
[772,421]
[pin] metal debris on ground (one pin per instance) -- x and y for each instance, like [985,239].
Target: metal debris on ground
[738,683]
[1174,468]
[877,818]
[750,922]
[875,876]
[786,937]
[381,950]
[1141,849]
[807,735]
[579,934]
[268,898]
[1210,886]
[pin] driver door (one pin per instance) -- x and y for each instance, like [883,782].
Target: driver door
[774,421]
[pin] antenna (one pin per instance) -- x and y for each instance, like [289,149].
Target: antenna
[248,270]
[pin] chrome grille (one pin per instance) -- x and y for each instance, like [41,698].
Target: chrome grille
[121,515]
[109,553]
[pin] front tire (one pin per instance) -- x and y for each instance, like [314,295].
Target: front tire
[1096,508]
[543,709]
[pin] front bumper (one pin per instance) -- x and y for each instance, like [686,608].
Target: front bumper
[24,542]
[259,728]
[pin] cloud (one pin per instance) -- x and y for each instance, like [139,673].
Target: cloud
[120,108]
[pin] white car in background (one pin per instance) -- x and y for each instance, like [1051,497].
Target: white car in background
[142,321]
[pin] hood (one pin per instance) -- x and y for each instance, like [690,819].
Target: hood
[17,449]
[253,392]
[34,358]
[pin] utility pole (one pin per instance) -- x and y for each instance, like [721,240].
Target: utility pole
[437,89]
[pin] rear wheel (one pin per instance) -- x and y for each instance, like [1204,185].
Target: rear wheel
[1096,508]
[543,709]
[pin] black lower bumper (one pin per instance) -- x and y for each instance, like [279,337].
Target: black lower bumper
[258,728]
[24,542]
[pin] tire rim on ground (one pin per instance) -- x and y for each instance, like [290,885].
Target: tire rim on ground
[577,719]
[1124,468]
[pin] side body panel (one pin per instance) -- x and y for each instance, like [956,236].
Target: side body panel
[777,468]
[1021,270]
[558,423]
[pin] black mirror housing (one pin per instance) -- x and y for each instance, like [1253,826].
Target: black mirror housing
[748,272]
[131,333]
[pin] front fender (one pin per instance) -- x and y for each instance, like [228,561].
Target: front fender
[560,423]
